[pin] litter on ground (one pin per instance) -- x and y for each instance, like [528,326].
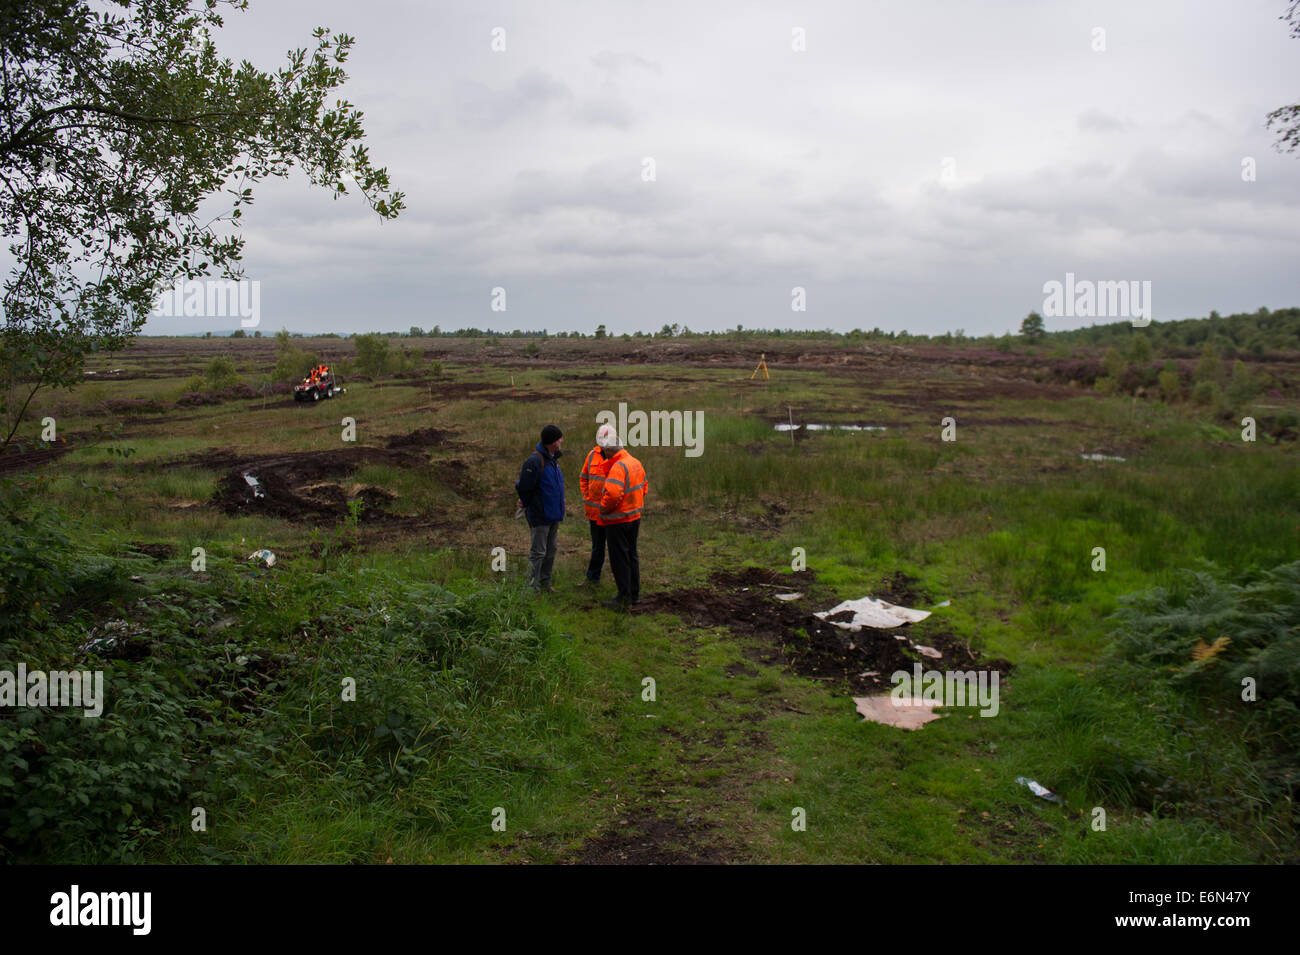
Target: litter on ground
[263,555]
[911,716]
[830,427]
[1039,790]
[788,596]
[868,612]
[1100,457]
[255,484]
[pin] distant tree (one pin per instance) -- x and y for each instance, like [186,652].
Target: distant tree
[1032,328]
[600,331]
[416,332]
[373,356]
[1113,363]
[221,373]
[257,333]
[1139,352]
[1209,367]
[238,333]
[1243,387]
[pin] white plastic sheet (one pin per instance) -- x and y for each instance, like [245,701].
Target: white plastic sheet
[869,612]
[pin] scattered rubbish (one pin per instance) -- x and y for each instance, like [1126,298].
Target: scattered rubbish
[114,642]
[927,651]
[911,715]
[100,645]
[1100,457]
[263,555]
[1042,792]
[254,483]
[868,612]
[946,603]
[788,596]
[782,426]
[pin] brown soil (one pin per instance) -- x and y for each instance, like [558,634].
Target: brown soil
[421,437]
[25,458]
[299,487]
[744,602]
[643,839]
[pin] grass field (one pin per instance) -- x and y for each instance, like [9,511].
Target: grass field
[491,726]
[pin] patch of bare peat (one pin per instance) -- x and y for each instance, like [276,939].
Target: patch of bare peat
[745,602]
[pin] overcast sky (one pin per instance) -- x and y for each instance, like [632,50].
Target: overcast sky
[923,164]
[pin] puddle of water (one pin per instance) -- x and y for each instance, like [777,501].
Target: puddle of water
[255,484]
[1101,457]
[830,427]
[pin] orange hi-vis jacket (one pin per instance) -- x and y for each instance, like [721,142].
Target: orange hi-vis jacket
[591,482]
[625,490]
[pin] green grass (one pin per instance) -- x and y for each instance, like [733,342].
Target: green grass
[1003,522]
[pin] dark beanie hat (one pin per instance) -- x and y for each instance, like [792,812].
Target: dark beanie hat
[551,434]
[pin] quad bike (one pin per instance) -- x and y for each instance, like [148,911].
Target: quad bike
[321,383]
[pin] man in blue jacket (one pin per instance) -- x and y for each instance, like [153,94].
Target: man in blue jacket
[541,493]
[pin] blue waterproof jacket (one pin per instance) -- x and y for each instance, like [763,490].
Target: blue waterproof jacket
[541,487]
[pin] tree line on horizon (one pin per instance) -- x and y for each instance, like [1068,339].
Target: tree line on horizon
[1247,333]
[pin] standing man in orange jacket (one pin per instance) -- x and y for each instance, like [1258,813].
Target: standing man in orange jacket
[592,484]
[620,512]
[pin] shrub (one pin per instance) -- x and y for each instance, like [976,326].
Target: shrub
[1243,387]
[221,373]
[1085,371]
[1170,385]
[1208,636]
[1139,351]
[294,363]
[1209,367]
[373,355]
[1114,363]
[1205,393]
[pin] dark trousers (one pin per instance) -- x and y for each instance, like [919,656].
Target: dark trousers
[623,560]
[597,563]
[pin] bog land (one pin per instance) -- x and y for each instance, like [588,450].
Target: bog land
[385,692]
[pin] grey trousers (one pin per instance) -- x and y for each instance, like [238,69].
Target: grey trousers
[541,554]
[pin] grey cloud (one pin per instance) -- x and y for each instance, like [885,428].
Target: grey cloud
[1097,121]
[482,107]
[615,63]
